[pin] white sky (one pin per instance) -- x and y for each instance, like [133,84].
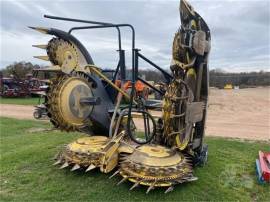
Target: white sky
[240,30]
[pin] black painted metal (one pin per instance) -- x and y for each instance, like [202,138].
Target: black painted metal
[167,76]
[116,71]
[108,26]
[150,86]
[86,21]
[122,62]
[90,101]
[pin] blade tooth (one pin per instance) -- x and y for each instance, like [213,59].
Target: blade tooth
[192,179]
[42,30]
[75,167]
[150,188]
[115,173]
[184,179]
[57,156]
[57,162]
[135,185]
[45,57]
[180,181]
[121,181]
[42,46]
[169,189]
[64,165]
[91,167]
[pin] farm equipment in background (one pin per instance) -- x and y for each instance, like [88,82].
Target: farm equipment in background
[228,87]
[15,87]
[140,88]
[34,85]
[263,167]
[11,87]
[82,98]
[40,109]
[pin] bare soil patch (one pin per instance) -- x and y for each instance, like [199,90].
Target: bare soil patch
[243,113]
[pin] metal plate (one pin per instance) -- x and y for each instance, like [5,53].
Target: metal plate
[194,112]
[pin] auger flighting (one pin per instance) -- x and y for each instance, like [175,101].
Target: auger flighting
[80,97]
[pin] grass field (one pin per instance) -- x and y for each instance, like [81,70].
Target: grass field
[20,101]
[27,173]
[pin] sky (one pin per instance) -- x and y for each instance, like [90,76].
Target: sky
[240,30]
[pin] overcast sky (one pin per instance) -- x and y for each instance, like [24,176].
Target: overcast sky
[240,30]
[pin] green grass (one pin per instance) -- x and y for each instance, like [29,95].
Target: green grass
[27,173]
[20,101]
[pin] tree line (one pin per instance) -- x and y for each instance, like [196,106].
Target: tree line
[218,77]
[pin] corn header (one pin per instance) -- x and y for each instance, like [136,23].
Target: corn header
[163,150]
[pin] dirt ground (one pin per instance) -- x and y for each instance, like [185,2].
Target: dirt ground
[243,113]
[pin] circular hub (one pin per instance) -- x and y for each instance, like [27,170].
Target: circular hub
[72,90]
[64,102]
[154,165]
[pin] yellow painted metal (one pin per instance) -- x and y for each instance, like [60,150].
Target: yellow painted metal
[88,144]
[168,109]
[181,144]
[150,155]
[150,165]
[181,137]
[85,151]
[191,72]
[126,148]
[154,165]
[193,24]
[228,86]
[92,152]
[66,56]
[67,115]
[63,101]
[110,158]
